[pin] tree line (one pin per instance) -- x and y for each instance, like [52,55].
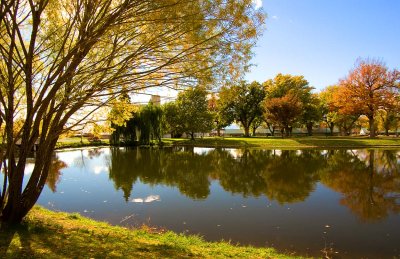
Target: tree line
[367,96]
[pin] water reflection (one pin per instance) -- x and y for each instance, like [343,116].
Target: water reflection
[369,180]
[185,170]
[54,176]
[283,198]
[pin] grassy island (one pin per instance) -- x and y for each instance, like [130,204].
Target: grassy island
[48,234]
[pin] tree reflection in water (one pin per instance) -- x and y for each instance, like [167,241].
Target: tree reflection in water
[368,180]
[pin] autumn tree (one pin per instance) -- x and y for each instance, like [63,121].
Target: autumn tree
[327,108]
[286,98]
[367,181]
[61,56]
[242,102]
[283,111]
[368,87]
[122,111]
[339,113]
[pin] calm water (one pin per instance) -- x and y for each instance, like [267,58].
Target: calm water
[341,202]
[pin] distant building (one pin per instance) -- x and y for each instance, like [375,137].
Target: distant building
[155,100]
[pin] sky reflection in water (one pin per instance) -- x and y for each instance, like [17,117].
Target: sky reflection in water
[344,201]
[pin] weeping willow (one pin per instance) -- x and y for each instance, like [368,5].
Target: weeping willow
[143,128]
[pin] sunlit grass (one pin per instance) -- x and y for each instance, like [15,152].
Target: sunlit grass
[78,142]
[297,142]
[47,234]
[260,142]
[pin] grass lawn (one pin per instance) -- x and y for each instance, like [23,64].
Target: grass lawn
[47,234]
[258,142]
[297,142]
[76,142]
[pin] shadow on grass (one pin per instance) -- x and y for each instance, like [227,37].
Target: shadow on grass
[40,240]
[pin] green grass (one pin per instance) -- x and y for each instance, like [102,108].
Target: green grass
[258,142]
[47,234]
[299,142]
[76,142]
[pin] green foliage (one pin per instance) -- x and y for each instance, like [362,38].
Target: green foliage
[242,103]
[171,120]
[144,124]
[387,120]
[281,85]
[221,118]
[193,109]
[312,113]
[121,118]
[149,126]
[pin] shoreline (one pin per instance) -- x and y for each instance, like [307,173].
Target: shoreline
[49,234]
[259,142]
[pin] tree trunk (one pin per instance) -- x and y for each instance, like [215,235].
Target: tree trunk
[287,131]
[20,201]
[331,127]
[246,131]
[371,126]
[309,126]
[191,135]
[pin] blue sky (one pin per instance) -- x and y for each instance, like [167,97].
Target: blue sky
[322,39]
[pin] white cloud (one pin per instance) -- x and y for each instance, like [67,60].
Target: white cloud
[147,199]
[98,169]
[257,4]
[275,17]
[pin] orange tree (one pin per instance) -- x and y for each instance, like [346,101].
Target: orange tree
[289,100]
[340,113]
[367,88]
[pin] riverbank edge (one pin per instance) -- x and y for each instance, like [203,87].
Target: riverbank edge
[49,234]
[265,143]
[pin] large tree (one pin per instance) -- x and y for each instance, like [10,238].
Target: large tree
[286,102]
[369,86]
[61,56]
[220,117]
[338,112]
[312,113]
[193,111]
[172,122]
[242,102]
[283,111]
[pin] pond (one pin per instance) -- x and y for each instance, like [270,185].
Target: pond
[344,203]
